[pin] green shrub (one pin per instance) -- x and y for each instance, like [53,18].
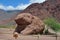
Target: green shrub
[52,23]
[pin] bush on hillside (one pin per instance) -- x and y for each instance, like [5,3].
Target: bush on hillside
[52,23]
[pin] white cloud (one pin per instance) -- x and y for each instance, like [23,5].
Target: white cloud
[6,7]
[36,1]
[2,7]
[10,8]
[21,6]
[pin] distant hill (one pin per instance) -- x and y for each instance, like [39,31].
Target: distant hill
[49,8]
[8,16]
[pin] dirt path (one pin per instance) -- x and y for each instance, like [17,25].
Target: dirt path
[6,34]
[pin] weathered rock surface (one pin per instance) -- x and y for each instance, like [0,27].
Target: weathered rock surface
[49,8]
[29,24]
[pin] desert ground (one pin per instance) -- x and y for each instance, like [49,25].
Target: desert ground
[7,34]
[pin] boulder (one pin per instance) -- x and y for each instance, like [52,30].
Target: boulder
[28,24]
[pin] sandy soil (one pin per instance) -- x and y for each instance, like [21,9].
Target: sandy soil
[7,34]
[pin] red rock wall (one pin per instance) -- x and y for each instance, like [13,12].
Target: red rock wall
[49,8]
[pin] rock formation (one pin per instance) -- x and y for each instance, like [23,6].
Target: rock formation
[49,8]
[29,24]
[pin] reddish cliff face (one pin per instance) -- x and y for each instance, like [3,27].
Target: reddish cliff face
[49,8]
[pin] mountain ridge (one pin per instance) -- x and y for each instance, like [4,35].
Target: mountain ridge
[49,8]
[8,16]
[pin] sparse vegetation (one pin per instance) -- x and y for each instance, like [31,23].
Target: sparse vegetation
[6,26]
[52,23]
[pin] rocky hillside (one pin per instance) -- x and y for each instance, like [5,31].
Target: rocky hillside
[8,16]
[49,8]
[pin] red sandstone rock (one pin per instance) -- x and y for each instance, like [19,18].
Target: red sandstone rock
[29,24]
[49,8]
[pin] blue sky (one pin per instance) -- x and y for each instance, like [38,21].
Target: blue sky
[13,2]
[17,4]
